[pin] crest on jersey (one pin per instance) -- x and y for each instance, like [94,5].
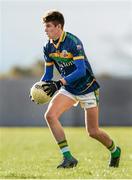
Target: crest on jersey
[79,47]
[64,53]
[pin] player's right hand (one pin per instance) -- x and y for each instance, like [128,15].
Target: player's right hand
[51,87]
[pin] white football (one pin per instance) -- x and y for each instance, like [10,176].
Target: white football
[38,95]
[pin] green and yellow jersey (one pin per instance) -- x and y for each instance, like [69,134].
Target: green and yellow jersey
[67,54]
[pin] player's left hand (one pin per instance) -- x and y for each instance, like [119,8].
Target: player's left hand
[51,87]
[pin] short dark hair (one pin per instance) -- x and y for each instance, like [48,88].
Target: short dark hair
[55,17]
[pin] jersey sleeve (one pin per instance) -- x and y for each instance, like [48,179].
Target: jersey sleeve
[49,63]
[78,59]
[78,73]
[77,50]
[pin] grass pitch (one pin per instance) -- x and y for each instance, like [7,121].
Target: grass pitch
[32,153]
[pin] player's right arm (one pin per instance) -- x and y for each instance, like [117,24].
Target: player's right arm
[49,63]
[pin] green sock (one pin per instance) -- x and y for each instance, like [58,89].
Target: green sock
[65,149]
[115,152]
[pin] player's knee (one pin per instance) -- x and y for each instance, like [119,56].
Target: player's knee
[50,117]
[94,133]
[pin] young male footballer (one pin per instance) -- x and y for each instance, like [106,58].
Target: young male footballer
[78,85]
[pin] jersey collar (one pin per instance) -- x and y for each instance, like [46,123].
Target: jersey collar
[61,39]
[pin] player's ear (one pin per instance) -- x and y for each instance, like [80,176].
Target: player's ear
[59,26]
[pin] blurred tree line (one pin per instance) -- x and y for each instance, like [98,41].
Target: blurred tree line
[35,70]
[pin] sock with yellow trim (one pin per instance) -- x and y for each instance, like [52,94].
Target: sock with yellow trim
[65,149]
[114,150]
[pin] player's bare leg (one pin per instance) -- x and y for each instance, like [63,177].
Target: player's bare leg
[92,127]
[59,104]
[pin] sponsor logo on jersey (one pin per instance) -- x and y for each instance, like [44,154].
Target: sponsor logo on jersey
[64,64]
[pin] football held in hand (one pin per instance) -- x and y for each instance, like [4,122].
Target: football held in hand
[38,95]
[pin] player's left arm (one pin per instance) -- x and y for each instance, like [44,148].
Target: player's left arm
[78,58]
[52,86]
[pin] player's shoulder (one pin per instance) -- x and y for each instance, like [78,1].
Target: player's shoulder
[73,38]
[46,46]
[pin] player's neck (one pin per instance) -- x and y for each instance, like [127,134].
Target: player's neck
[58,35]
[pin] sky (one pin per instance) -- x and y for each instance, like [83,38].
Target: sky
[104,27]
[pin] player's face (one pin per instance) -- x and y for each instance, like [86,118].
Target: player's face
[51,30]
